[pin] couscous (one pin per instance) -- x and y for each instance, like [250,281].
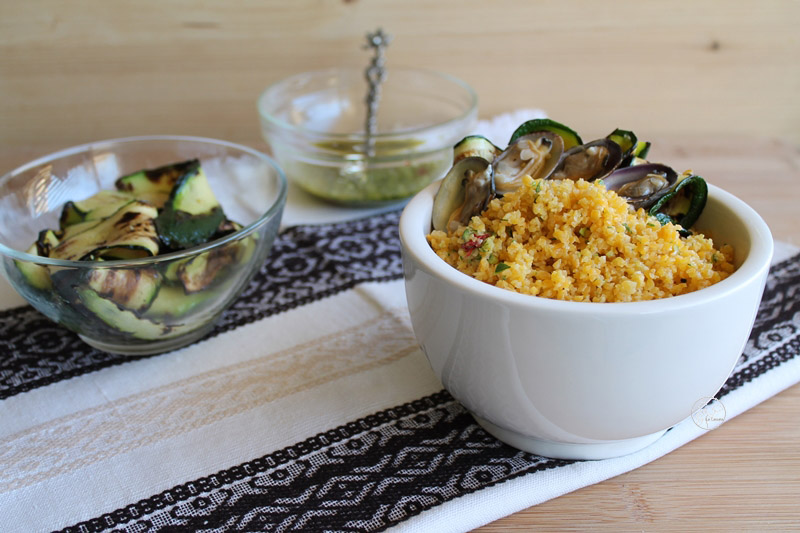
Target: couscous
[575,240]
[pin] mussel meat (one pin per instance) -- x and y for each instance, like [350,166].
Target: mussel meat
[642,185]
[534,155]
[465,192]
[590,161]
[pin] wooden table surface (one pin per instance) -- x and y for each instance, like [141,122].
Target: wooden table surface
[743,475]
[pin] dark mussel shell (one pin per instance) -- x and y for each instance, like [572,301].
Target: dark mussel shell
[590,161]
[642,185]
[465,192]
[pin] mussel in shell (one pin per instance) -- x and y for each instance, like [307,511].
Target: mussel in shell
[534,155]
[642,185]
[590,161]
[465,191]
[537,149]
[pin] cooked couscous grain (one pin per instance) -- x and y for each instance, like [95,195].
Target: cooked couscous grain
[574,240]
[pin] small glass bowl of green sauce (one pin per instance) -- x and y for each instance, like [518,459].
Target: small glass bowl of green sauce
[315,124]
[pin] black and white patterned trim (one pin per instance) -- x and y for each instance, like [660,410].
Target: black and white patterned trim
[306,263]
[775,337]
[364,476]
[376,472]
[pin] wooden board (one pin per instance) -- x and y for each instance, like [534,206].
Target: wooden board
[72,72]
[742,476]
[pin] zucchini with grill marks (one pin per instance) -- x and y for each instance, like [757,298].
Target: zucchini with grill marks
[46,242]
[133,289]
[201,271]
[155,185]
[96,207]
[152,211]
[131,230]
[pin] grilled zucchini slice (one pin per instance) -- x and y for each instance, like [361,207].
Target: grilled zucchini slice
[130,231]
[155,185]
[192,213]
[96,207]
[133,289]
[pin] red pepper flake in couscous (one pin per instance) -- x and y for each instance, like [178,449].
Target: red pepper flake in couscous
[574,240]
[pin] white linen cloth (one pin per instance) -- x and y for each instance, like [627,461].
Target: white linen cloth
[316,410]
[91,445]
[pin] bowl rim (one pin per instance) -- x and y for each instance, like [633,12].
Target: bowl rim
[283,125]
[415,224]
[277,204]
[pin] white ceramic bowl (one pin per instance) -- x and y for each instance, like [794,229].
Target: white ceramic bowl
[583,380]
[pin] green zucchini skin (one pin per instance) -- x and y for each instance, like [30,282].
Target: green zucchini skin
[192,213]
[173,302]
[626,140]
[570,137]
[684,204]
[641,149]
[475,146]
[179,230]
[120,319]
[155,185]
[37,276]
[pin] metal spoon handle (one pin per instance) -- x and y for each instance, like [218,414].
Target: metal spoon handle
[376,75]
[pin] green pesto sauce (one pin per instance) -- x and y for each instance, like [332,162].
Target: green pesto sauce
[350,180]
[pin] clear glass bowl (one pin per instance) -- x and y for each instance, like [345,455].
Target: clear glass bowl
[248,184]
[314,123]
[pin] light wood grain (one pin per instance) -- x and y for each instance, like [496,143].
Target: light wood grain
[72,72]
[742,476]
